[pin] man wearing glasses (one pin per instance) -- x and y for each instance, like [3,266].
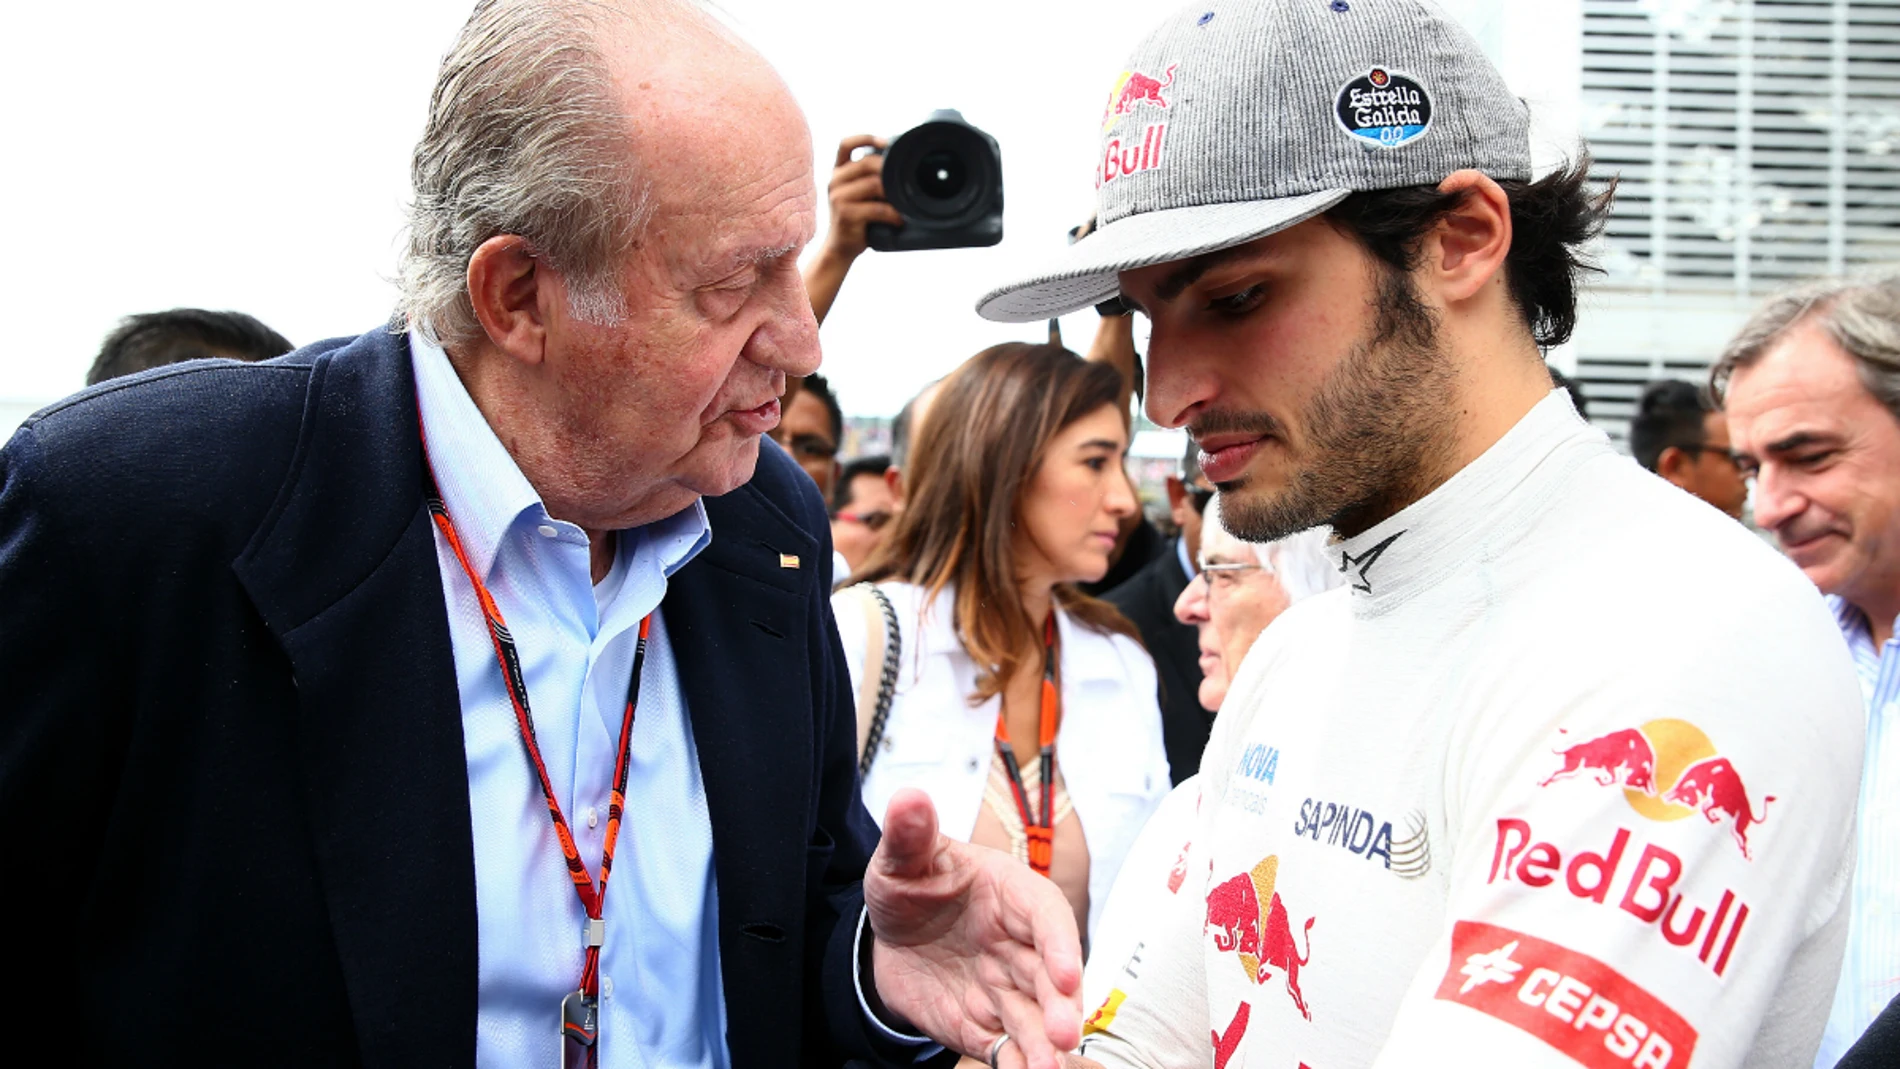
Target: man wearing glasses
[860,511]
[811,430]
[1812,389]
[1679,434]
[1148,598]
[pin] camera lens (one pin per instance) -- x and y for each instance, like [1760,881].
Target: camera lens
[945,174]
[945,177]
[941,175]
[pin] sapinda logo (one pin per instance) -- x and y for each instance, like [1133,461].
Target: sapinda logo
[1668,770]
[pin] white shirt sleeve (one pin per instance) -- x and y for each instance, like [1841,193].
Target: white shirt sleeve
[1154,1013]
[847,607]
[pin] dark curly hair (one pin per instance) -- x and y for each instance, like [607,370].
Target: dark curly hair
[1551,219]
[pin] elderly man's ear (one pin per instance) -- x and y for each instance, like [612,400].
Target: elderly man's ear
[513,292]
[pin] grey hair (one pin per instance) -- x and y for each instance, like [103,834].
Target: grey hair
[526,137]
[1861,314]
[1300,560]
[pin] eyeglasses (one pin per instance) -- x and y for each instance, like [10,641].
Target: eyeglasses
[873,520]
[1742,464]
[1225,576]
[812,446]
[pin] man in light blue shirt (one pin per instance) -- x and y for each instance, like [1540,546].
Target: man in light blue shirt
[582,382]
[353,676]
[1812,389]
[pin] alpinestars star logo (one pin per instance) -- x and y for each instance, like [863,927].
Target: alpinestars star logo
[1364,562]
[1495,967]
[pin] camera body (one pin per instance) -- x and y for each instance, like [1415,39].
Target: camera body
[946,178]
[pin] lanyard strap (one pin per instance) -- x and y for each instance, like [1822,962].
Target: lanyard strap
[592,899]
[1038,828]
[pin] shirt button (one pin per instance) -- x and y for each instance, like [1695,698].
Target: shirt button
[547,530]
[606,986]
[973,764]
[593,817]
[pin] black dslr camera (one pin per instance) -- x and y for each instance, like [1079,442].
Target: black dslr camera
[946,178]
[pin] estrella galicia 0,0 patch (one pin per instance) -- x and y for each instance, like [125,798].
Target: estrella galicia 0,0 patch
[1384,108]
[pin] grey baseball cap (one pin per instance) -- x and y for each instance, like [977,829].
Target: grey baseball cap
[1239,118]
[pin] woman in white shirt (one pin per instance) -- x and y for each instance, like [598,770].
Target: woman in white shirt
[1007,678]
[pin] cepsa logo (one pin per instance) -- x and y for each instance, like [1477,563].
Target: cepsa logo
[1668,770]
[1261,936]
[1572,1001]
[1647,891]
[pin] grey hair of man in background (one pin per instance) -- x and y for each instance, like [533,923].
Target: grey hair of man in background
[1299,560]
[1861,315]
[525,137]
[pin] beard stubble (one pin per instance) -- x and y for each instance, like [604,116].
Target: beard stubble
[1378,430]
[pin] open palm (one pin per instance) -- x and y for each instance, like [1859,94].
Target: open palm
[971,944]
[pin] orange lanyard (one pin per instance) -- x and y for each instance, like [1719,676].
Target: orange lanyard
[592,899]
[1038,827]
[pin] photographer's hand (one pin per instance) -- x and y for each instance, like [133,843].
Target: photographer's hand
[857,199]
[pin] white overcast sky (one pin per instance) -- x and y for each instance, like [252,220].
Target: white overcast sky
[253,156]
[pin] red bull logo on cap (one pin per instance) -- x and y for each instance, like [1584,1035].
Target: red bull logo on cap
[1668,770]
[1133,88]
[1260,937]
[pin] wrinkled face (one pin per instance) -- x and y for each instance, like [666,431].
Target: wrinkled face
[1243,596]
[1713,474]
[669,402]
[1826,454]
[861,525]
[806,432]
[1307,372]
[1191,609]
[1073,505]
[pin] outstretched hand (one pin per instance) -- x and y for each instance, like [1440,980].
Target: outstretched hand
[970,943]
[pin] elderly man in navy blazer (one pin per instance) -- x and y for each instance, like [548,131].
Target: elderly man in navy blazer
[466,692]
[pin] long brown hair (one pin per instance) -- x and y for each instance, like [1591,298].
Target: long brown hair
[981,444]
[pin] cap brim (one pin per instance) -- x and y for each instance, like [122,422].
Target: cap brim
[1086,274]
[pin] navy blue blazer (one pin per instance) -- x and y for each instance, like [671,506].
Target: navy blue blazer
[234,821]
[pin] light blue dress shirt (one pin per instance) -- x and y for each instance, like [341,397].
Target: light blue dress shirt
[661,999]
[1870,975]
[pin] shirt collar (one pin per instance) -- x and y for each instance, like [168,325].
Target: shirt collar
[485,492]
[1848,618]
[480,485]
[1181,554]
[1853,622]
[1491,498]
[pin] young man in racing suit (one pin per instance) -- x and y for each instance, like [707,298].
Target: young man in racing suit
[1566,773]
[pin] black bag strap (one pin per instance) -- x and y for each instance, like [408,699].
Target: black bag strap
[887,680]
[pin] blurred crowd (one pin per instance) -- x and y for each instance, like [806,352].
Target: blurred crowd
[1046,656]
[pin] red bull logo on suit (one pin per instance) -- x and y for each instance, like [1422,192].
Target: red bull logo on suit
[1668,770]
[1648,884]
[1261,938]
